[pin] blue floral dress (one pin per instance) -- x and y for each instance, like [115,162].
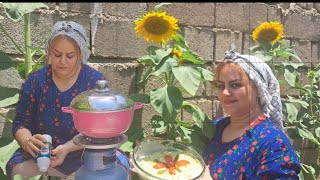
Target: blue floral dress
[262,152]
[39,110]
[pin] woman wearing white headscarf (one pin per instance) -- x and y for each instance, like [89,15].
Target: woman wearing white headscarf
[249,143]
[41,98]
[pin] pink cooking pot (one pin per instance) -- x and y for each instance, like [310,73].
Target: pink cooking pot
[101,113]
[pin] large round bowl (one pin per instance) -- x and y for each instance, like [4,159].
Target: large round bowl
[153,150]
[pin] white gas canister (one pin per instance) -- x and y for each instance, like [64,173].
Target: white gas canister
[43,159]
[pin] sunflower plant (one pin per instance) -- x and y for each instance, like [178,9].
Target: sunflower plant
[176,69]
[303,112]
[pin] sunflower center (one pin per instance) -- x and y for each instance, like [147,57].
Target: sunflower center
[268,35]
[156,25]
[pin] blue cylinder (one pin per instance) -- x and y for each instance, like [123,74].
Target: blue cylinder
[101,164]
[116,173]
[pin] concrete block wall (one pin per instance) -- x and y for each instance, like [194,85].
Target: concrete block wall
[209,28]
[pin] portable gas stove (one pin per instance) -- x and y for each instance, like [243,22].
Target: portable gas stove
[99,160]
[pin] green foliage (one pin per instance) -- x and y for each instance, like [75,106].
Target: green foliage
[9,96]
[302,112]
[178,74]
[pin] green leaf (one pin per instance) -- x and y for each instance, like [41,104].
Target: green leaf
[206,74]
[142,84]
[6,153]
[184,124]
[197,114]
[9,101]
[16,10]
[158,125]
[292,112]
[165,65]
[290,75]
[140,97]
[304,133]
[180,41]
[262,56]
[146,60]
[132,137]
[5,61]
[167,101]
[292,53]
[20,177]
[308,172]
[187,55]
[317,131]
[301,102]
[160,54]
[295,66]
[265,45]
[188,77]
[256,48]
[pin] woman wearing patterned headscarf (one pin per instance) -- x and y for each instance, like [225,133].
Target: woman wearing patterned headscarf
[41,98]
[249,143]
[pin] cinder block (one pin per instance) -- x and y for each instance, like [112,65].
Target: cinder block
[241,16]
[10,78]
[248,42]
[316,6]
[51,5]
[118,39]
[274,14]
[284,5]
[224,38]
[315,54]
[301,26]
[192,14]
[303,50]
[201,41]
[121,10]
[84,8]
[307,6]
[41,25]
[120,76]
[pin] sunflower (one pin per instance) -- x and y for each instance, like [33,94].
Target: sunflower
[271,32]
[156,27]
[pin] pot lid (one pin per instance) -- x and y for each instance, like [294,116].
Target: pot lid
[101,98]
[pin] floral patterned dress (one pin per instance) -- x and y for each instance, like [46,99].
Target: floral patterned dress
[39,110]
[262,152]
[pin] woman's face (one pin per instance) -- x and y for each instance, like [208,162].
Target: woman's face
[64,57]
[236,93]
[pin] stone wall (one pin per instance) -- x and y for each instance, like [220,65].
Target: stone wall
[208,27]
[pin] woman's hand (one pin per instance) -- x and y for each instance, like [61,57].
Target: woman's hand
[58,154]
[206,175]
[32,144]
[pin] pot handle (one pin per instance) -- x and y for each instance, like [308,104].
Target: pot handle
[138,105]
[67,109]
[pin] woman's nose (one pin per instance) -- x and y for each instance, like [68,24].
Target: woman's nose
[63,60]
[226,92]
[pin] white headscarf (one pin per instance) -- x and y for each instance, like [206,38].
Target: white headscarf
[74,31]
[268,87]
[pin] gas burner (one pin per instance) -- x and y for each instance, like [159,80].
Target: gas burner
[99,143]
[112,140]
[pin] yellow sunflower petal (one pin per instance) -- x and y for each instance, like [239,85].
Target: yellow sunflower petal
[156,27]
[271,32]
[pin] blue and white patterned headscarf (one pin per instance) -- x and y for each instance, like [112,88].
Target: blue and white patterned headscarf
[261,75]
[74,31]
